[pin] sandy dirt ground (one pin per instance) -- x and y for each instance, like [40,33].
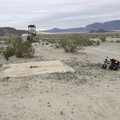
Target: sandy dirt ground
[90,93]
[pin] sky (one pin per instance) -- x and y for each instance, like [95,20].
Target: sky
[48,14]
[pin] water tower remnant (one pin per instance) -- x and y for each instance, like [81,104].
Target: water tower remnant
[31,33]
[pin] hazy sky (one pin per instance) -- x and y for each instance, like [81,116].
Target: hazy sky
[47,14]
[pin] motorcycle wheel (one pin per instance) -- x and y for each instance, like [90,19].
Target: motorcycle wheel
[113,67]
[104,66]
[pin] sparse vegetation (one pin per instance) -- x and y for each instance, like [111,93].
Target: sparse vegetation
[83,81]
[111,41]
[117,41]
[1,49]
[0,65]
[5,79]
[74,43]
[63,76]
[15,46]
[103,38]
[98,42]
[9,51]
[61,113]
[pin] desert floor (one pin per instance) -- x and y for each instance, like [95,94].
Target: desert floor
[90,93]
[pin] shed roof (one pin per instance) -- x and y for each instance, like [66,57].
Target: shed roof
[31,26]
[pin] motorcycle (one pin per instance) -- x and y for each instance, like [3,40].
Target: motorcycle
[113,64]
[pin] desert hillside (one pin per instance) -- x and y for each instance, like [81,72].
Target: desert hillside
[9,31]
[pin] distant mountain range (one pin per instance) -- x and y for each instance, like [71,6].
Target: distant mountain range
[95,27]
[108,26]
[8,31]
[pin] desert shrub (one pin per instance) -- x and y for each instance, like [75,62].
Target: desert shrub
[24,49]
[1,49]
[64,41]
[74,43]
[112,41]
[5,79]
[57,46]
[8,52]
[97,42]
[103,38]
[0,65]
[117,35]
[15,46]
[117,41]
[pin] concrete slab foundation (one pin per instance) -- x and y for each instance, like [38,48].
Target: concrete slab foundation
[35,68]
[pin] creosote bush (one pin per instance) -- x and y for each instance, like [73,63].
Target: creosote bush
[97,42]
[117,41]
[9,51]
[74,43]
[15,46]
[103,38]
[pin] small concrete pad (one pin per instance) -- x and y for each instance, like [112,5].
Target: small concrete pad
[35,68]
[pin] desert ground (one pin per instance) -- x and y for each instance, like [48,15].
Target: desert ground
[90,93]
